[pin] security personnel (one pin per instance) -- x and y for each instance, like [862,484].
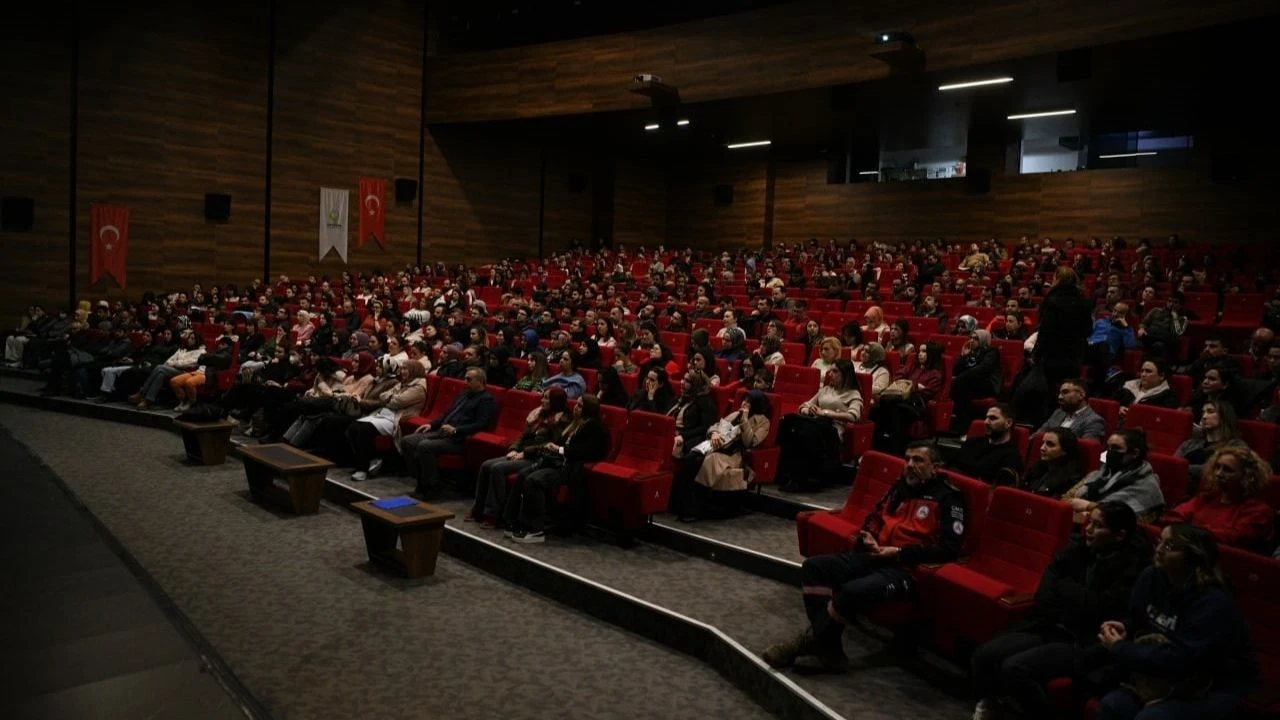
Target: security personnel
[921,519]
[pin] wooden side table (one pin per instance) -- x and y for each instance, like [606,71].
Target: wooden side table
[206,443]
[419,528]
[303,472]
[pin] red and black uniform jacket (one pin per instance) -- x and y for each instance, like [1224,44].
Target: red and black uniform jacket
[927,521]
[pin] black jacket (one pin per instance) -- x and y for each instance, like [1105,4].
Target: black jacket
[1080,590]
[979,371]
[589,444]
[469,414]
[993,464]
[699,416]
[1066,321]
[660,404]
[1051,479]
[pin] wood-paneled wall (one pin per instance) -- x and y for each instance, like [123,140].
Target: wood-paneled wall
[1131,202]
[812,43]
[348,101]
[35,129]
[640,203]
[694,219]
[172,105]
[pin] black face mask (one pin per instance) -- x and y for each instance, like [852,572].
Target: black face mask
[1114,461]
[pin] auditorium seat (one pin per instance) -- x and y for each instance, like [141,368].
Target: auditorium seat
[1256,581]
[1174,473]
[510,425]
[1109,410]
[1263,437]
[829,531]
[1166,428]
[636,483]
[1182,386]
[794,384]
[979,597]
[439,399]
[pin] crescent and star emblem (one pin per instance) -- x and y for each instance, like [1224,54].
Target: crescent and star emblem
[370,201]
[109,245]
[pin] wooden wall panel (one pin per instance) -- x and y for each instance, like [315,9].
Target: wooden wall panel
[35,128]
[1130,202]
[567,213]
[640,204]
[348,102]
[172,105]
[693,218]
[811,43]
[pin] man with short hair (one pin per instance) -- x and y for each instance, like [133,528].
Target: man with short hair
[1074,413]
[471,412]
[1214,356]
[921,519]
[993,457]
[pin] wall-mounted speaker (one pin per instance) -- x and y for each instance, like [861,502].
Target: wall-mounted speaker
[406,190]
[577,182]
[724,195]
[17,214]
[977,181]
[217,207]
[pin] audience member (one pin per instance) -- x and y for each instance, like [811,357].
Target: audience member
[1074,413]
[810,438]
[714,467]
[992,457]
[472,411]
[1125,476]
[1151,387]
[1059,467]
[544,424]
[1229,502]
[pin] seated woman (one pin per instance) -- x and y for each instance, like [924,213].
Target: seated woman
[828,353]
[1125,476]
[705,360]
[604,333]
[1218,385]
[567,378]
[904,402]
[874,327]
[186,386]
[1184,644]
[584,440]
[714,466]
[1218,428]
[851,338]
[1228,504]
[331,402]
[873,364]
[976,374]
[654,394]
[384,413]
[770,351]
[545,424]
[1087,583]
[500,371]
[810,438]
[900,340]
[734,347]
[622,361]
[694,412]
[1151,387]
[811,338]
[610,390]
[532,380]
[1059,467]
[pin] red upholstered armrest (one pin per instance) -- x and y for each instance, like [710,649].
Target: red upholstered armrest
[410,424]
[1019,600]
[1265,696]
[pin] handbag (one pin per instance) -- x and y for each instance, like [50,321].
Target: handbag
[902,389]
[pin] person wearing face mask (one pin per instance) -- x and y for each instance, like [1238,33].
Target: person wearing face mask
[921,519]
[1125,476]
[993,457]
[1086,584]
[903,403]
[1229,503]
[1059,467]
[1184,650]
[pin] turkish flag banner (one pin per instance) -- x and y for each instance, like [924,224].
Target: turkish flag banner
[372,216]
[110,242]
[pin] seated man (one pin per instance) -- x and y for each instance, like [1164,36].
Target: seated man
[1074,412]
[993,458]
[921,519]
[471,412]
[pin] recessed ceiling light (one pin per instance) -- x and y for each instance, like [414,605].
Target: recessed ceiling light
[1126,155]
[682,123]
[1047,113]
[868,172]
[976,83]
[754,143]
[652,126]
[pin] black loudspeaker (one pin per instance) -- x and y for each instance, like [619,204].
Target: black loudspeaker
[17,214]
[977,181]
[217,207]
[724,195]
[406,190]
[1227,169]
[1074,65]
[577,182]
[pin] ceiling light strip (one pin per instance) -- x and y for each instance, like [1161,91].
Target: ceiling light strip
[1126,155]
[754,143]
[1047,113]
[976,83]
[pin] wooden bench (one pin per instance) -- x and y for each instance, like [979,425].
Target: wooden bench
[303,472]
[206,443]
[419,528]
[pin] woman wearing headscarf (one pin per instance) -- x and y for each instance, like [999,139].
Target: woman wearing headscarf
[734,347]
[531,344]
[358,343]
[714,467]
[500,371]
[325,401]
[976,375]
[694,412]
[875,328]
[385,411]
[610,390]
[545,424]
[873,364]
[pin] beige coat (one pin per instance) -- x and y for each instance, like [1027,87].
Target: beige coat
[405,400]
[724,471]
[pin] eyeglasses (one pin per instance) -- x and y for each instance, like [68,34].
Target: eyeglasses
[1168,546]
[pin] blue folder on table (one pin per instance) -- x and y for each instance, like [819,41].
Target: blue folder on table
[394,502]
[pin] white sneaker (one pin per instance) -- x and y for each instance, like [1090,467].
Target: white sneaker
[985,710]
[529,538]
[359,476]
[182,407]
[374,467]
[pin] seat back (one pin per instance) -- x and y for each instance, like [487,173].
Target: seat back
[877,472]
[1256,579]
[646,442]
[1174,473]
[976,496]
[1263,437]
[1182,386]
[1019,537]
[614,418]
[1166,428]
[951,344]
[796,382]
[447,391]
[516,406]
[591,377]
[674,340]
[1109,410]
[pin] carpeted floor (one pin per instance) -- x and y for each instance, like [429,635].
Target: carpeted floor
[757,531]
[291,606]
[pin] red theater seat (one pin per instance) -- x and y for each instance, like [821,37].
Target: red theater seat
[1166,428]
[829,531]
[1174,473]
[1109,410]
[1263,437]
[982,596]
[637,482]
[512,417]
[1256,580]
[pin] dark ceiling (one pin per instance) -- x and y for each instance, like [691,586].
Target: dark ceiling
[468,25]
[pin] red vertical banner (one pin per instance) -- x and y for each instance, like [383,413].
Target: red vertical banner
[373,192]
[110,242]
